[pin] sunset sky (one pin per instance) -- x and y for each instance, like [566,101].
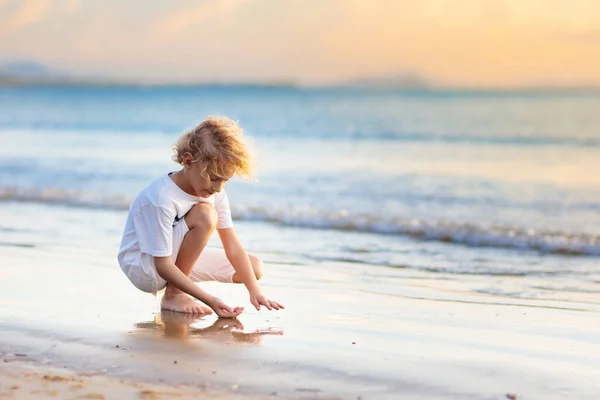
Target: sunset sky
[474,43]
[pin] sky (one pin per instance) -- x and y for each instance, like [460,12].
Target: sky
[469,43]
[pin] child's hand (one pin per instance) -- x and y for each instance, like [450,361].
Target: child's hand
[258,299]
[223,310]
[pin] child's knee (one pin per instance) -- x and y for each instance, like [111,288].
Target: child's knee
[202,215]
[257,265]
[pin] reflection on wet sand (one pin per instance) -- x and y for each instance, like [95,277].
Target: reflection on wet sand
[176,325]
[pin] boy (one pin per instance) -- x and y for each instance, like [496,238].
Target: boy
[170,222]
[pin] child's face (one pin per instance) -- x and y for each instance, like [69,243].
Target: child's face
[203,185]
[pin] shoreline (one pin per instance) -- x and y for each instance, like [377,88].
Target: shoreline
[349,330]
[25,378]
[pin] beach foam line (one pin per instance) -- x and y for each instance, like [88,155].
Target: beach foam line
[77,198]
[466,233]
[471,234]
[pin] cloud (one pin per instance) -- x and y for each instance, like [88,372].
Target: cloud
[187,18]
[29,13]
[34,11]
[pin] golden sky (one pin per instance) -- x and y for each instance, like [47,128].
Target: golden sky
[478,43]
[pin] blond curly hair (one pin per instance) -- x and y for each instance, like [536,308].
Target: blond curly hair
[218,144]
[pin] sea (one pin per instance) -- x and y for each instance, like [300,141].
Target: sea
[486,183]
[407,232]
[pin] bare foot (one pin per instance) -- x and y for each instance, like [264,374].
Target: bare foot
[183,303]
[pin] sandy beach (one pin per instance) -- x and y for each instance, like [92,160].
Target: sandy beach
[25,379]
[349,330]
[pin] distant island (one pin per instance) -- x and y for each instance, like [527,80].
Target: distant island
[414,82]
[32,73]
[405,81]
[23,70]
[80,82]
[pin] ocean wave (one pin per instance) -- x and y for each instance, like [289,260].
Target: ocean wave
[132,130]
[470,234]
[76,198]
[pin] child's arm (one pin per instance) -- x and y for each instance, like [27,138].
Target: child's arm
[173,275]
[238,257]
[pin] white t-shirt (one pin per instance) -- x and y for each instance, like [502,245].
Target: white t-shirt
[154,213]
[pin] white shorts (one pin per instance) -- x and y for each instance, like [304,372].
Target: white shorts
[212,265]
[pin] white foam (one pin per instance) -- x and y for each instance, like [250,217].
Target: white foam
[76,198]
[445,231]
[471,234]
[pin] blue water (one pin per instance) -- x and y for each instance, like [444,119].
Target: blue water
[510,178]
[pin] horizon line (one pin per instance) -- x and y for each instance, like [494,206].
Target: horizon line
[290,84]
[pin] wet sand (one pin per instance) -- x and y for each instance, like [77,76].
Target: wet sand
[25,379]
[349,330]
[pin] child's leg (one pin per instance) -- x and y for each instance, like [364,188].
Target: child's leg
[213,265]
[257,266]
[201,221]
